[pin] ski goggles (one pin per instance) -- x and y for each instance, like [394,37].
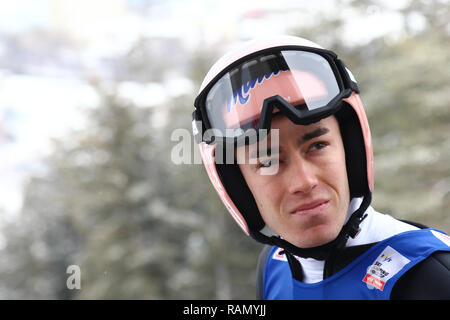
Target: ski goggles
[305,84]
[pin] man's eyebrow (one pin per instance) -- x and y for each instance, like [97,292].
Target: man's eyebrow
[320,131]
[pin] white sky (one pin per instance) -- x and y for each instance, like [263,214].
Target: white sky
[19,15]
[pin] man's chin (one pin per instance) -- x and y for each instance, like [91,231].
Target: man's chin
[315,238]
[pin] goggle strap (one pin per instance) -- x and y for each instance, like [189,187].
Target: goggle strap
[347,76]
[197,126]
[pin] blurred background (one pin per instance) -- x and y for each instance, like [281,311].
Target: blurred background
[91,91]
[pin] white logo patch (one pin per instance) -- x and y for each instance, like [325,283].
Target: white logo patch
[388,264]
[443,237]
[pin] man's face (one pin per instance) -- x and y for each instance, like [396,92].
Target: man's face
[307,199]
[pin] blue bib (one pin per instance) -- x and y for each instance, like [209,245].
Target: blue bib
[370,276]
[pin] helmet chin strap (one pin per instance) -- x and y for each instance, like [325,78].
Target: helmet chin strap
[350,229]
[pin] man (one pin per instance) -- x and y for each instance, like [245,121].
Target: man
[286,143]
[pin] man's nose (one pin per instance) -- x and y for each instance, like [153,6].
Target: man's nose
[301,176]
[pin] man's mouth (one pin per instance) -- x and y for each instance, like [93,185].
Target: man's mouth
[312,207]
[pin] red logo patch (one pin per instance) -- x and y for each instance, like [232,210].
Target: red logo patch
[371,280]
